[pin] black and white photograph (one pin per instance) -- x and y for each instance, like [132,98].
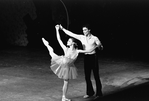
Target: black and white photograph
[74,50]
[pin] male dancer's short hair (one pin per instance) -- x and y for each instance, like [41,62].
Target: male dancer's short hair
[87,26]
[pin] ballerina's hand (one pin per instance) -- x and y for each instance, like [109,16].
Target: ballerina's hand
[57,27]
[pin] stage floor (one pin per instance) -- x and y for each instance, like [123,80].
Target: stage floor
[25,76]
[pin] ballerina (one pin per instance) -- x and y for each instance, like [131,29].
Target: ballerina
[63,65]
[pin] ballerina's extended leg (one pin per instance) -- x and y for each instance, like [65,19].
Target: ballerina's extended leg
[50,49]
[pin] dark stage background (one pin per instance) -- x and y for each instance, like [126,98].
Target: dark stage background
[121,25]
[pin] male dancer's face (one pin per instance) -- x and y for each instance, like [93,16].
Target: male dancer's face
[86,31]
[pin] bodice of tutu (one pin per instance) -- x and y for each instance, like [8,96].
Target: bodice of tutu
[70,56]
[67,59]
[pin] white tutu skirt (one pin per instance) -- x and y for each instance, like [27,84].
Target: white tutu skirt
[64,67]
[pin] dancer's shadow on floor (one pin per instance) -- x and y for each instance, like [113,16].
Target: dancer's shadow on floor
[132,92]
[80,98]
[138,91]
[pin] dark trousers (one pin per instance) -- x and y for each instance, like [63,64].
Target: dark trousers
[91,64]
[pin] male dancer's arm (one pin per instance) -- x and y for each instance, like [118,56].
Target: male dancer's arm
[99,44]
[76,36]
[96,44]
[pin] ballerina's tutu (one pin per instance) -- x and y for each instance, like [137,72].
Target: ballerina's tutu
[64,67]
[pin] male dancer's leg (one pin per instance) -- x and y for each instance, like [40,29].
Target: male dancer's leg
[87,71]
[96,76]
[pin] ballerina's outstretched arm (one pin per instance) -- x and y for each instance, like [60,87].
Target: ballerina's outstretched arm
[83,51]
[50,49]
[59,39]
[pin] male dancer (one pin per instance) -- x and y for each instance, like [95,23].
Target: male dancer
[90,43]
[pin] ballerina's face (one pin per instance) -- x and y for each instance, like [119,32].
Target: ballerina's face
[69,42]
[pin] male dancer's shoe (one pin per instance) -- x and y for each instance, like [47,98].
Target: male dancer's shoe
[98,97]
[87,96]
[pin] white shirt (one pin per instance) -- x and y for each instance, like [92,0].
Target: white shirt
[90,42]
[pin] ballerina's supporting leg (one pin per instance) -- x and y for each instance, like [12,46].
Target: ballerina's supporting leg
[65,88]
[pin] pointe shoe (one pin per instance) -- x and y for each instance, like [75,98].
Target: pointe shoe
[65,99]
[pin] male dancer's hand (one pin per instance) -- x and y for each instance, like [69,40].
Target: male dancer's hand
[61,27]
[101,47]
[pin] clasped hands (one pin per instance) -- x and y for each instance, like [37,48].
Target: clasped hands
[59,27]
